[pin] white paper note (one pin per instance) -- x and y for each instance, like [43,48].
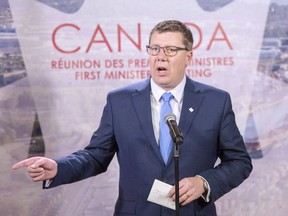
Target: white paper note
[159,194]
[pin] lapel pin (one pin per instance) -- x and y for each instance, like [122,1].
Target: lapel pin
[191,109]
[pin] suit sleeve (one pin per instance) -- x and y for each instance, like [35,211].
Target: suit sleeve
[92,160]
[235,163]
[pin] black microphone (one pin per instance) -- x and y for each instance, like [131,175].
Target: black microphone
[175,132]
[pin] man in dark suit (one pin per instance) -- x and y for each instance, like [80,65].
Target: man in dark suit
[131,127]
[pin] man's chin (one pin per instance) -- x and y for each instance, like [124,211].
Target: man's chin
[164,83]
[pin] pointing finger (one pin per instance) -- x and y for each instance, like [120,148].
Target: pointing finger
[25,163]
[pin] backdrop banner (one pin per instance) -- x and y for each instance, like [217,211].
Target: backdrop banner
[75,52]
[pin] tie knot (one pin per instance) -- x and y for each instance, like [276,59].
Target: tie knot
[167,96]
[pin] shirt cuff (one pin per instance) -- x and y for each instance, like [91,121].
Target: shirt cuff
[206,195]
[47,183]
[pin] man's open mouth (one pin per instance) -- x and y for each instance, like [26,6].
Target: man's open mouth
[160,69]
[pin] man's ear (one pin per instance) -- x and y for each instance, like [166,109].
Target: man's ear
[189,57]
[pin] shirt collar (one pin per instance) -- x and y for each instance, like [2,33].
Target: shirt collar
[177,92]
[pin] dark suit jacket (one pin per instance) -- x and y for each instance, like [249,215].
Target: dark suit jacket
[209,132]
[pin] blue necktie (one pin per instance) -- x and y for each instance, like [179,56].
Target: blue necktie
[165,140]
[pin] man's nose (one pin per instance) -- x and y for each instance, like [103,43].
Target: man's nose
[161,55]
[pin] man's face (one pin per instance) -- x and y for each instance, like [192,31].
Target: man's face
[167,72]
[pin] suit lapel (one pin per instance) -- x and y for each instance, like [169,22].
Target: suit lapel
[141,99]
[191,104]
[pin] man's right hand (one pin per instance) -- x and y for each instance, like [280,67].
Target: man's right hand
[39,168]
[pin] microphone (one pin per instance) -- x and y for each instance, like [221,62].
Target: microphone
[175,132]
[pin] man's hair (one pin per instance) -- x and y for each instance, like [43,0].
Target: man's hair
[175,26]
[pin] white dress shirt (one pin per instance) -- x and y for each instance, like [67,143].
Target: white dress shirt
[156,103]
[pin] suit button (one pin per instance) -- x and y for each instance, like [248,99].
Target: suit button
[164,180]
